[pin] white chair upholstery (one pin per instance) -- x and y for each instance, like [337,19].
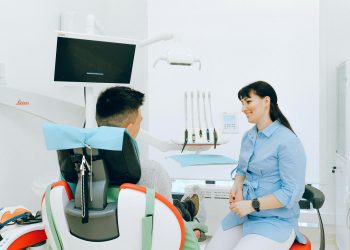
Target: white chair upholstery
[168,226]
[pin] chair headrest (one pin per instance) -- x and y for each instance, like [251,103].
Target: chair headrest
[59,137]
[114,146]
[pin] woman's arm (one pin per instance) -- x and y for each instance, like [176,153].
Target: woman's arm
[236,193]
[269,202]
[244,207]
[292,164]
[239,179]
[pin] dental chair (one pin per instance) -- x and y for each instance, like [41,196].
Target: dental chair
[140,219]
[14,237]
[315,197]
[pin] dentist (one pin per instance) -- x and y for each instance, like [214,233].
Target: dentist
[269,181]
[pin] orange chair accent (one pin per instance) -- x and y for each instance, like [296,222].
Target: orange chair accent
[66,187]
[28,239]
[299,246]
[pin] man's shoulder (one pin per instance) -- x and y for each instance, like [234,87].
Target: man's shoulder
[152,166]
[149,164]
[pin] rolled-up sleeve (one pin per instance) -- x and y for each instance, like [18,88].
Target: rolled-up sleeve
[242,162]
[240,171]
[292,166]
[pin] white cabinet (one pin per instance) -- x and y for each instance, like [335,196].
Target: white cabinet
[342,169]
[342,203]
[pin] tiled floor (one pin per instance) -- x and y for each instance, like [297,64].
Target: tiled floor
[328,247]
[315,246]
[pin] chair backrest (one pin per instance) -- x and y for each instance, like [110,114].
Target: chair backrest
[122,166]
[89,216]
[168,226]
[85,219]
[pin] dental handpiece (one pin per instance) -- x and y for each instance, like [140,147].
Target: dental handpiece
[192,115]
[199,115]
[186,121]
[205,118]
[212,121]
[186,140]
[186,124]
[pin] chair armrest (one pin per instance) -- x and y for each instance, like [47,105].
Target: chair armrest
[314,196]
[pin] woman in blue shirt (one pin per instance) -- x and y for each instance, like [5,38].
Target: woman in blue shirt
[269,181]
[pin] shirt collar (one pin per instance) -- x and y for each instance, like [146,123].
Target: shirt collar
[268,131]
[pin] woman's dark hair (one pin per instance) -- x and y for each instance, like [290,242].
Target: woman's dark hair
[263,89]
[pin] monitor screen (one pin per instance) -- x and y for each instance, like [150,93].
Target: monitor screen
[84,58]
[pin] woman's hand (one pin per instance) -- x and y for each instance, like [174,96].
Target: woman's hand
[242,208]
[236,193]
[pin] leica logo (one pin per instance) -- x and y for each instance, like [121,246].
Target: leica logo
[22,103]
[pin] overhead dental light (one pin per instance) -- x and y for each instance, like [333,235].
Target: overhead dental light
[179,55]
[176,55]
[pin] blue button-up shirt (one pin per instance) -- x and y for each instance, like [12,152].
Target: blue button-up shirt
[273,162]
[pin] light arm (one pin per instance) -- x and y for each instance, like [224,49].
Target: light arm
[161,37]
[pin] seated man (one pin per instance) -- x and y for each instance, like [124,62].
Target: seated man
[121,107]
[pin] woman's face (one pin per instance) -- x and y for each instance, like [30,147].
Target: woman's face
[256,108]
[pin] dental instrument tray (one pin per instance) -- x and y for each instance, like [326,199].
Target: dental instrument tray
[195,136]
[199,145]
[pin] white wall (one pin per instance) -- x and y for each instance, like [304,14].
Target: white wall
[27,38]
[239,42]
[334,49]
[26,47]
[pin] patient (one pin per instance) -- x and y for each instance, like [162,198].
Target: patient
[121,107]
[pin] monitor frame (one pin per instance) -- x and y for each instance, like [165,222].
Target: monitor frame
[92,37]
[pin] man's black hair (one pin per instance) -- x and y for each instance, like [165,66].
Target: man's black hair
[118,100]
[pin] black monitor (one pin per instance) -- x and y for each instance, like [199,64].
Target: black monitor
[87,59]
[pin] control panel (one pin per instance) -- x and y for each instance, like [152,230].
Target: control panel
[230,123]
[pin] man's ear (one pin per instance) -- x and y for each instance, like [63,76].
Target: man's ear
[128,126]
